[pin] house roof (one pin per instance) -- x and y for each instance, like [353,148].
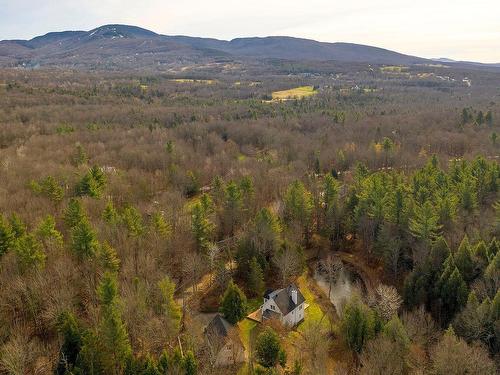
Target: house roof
[218,326]
[283,298]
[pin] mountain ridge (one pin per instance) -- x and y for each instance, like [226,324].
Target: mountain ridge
[114,42]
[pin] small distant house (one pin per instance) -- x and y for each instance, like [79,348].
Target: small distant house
[286,305]
[224,342]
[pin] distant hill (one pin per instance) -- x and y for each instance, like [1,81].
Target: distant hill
[131,46]
[289,48]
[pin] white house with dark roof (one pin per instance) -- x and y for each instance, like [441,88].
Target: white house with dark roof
[287,305]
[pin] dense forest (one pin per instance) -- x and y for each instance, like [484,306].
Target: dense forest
[135,207]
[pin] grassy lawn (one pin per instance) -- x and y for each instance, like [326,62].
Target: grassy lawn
[246,326]
[314,312]
[394,69]
[298,93]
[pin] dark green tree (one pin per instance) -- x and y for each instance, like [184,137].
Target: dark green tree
[74,213]
[234,303]
[6,236]
[255,278]
[268,349]
[358,324]
[84,240]
[113,335]
[72,342]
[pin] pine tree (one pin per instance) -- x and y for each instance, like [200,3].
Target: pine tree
[113,335]
[233,304]
[232,208]
[80,157]
[189,364]
[72,342]
[6,236]
[74,213]
[358,324]
[133,221]
[255,278]
[463,260]
[163,363]
[29,253]
[51,189]
[48,234]
[201,227]
[108,258]
[17,226]
[83,240]
[299,206]
[489,118]
[160,226]
[453,291]
[92,184]
[170,308]
[268,349]
[265,233]
[110,214]
[424,225]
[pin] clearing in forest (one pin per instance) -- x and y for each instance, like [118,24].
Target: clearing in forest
[296,93]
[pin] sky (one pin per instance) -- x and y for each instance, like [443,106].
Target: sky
[457,29]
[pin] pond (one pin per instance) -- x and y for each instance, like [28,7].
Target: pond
[344,284]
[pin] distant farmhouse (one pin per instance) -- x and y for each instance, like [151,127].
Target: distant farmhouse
[224,342]
[286,305]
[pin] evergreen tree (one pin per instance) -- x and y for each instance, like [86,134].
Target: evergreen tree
[92,184]
[133,221]
[6,236]
[51,189]
[170,308]
[358,324]
[189,364]
[233,304]
[395,331]
[110,214]
[201,227]
[463,260]
[108,258]
[29,252]
[17,226]
[72,342]
[299,206]
[74,213]
[48,234]
[83,240]
[265,234]
[424,225]
[160,226]
[233,204]
[113,335]
[453,291]
[268,349]
[163,363]
[80,157]
[255,278]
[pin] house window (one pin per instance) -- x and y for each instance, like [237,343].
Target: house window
[272,307]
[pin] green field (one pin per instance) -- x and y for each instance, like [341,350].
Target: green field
[296,93]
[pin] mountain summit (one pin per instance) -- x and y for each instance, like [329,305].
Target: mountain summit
[132,46]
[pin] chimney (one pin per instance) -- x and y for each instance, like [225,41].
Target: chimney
[294,296]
